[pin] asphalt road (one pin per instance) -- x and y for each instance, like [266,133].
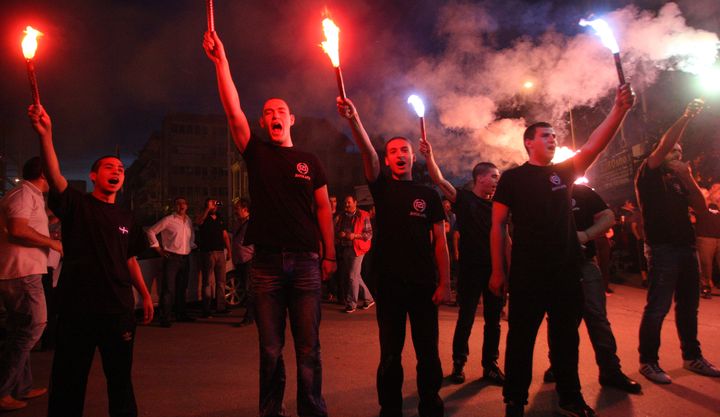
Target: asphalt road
[210,369]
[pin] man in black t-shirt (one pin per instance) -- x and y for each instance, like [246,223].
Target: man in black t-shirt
[96,303]
[665,189]
[473,210]
[593,218]
[292,215]
[214,251]
[545,270]
[410,254]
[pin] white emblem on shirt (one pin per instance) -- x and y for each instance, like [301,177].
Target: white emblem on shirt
[123,230]
[555,179]
[302,169]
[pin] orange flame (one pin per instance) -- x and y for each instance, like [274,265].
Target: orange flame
[29,42]
[331,45]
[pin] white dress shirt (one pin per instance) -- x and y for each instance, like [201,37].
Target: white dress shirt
[176,232]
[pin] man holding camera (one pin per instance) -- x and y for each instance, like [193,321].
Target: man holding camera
[212,240]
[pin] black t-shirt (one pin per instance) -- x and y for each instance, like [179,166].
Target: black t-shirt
[283,181]
[210,236]
[586,203]
[708,224]
[474,218]
[664,204]
[98,238]
[544,231]
[405,213]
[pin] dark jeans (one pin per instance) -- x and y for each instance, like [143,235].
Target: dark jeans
[394,305]
[243,276]
[672,270]
[174,285]
[78,337]
[288,284]
[472,283]
[562,299]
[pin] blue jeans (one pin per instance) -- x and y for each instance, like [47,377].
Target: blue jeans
[672,270]
[24,301]
[596,321]
[288,283]
[350,267]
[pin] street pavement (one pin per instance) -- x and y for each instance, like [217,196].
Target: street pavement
[210,369]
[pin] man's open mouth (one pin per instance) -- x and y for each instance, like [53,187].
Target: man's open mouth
[114,181]
[276,127]
[400,163]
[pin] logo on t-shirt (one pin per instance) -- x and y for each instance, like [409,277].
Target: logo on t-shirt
[557,182]
[302,169]
[123,230]
[419,206]
[574,205]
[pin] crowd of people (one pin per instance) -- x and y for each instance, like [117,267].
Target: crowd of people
[528,235]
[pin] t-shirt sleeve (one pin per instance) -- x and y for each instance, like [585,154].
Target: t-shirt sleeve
[376,187]
[138,241]
[566,170]
[64,204]
[595,203]
[436,212]
[647,175]
[319,179]
[19,205]
[504,191]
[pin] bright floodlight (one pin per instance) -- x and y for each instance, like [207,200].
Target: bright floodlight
[528,85]
[602,29]
[710,80]
[417,104]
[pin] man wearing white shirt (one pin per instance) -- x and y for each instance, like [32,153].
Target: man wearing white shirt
[178,239]
[24,243]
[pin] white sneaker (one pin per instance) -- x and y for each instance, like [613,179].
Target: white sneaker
[702,366]
[653,372]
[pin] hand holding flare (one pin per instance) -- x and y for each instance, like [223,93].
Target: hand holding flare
[29,46]
[331,46]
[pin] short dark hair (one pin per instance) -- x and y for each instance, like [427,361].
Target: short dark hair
[530,131]
[175,200]
[394,139]
[32,169]
[482,168]
[243,203]
[351,196]
[96,165]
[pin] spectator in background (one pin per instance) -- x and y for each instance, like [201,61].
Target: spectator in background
[242,254]
[638,230]
[213,240]
[354,232]
[24,243]
[47,342]
[178,239]
[707,230]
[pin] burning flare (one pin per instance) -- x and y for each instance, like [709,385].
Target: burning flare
[417,104]
[602,29]
[29,42]
[331,45]
[564,153]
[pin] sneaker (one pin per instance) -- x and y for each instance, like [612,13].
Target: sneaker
[706,292]
[368,305]
[458,375]
[549,376]
[494,375]
[620,381]
[349,309]
[702,366]
[8,403]
[653,372]
[576,409]
[34,393]
[514,410]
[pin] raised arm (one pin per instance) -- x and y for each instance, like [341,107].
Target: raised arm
[674,134]
[325,224]
[239,127]
[42,124]
[498,247]
[442,260]
[435,174]
[601,136]
[371,162]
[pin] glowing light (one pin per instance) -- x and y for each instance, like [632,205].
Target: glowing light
[331,45]
[562,153]
[417,104]
[528,85]
[29,42]
[709,80]
[602,29]
[582,180]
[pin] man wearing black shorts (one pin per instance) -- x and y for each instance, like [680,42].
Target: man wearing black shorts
[95,298]
[291,217]
[411,253]
[545,268]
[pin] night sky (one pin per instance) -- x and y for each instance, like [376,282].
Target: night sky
[109,70]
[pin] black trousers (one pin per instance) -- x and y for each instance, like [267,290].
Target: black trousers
[472,283]
[394,304]
[562,299]
[77,338]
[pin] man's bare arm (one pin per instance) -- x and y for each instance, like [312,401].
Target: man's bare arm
[325,224]
[674,134]
[42,125]
[371,162]
[20,232]
[138,283]
[498,236]
[435,174]
[442,260]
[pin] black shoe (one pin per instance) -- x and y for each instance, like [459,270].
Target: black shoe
[245,322]
[706,292]
[549,376]
[494,375]
[185,319]
[514,410]
[576,409]
[620,381]
[458,375]
[165,323]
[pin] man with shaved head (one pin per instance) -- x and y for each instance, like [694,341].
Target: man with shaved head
[292,215]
